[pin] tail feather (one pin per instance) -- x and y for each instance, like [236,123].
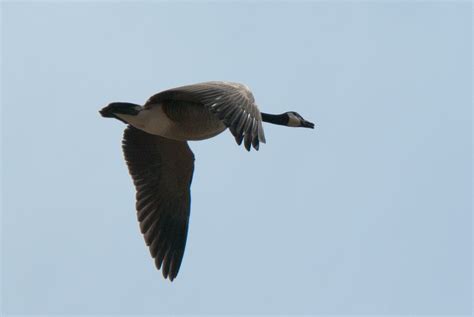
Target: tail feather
[114,108]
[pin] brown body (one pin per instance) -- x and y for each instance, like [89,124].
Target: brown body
[182,121]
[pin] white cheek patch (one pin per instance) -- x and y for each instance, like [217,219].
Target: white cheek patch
[293,121]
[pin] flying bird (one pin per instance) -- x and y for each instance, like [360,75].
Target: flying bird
[161,163]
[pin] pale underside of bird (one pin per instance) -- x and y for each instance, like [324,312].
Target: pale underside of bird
[161,163]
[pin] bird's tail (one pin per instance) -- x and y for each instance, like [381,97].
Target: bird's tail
[114,108]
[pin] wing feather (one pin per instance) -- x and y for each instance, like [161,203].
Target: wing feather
[162,171]
[232,103]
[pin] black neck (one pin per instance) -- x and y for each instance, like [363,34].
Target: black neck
[281,119]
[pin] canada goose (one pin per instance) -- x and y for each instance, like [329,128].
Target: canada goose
[161,163]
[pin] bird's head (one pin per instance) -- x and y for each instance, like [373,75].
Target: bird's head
[296,120]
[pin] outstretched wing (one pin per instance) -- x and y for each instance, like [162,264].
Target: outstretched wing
[162,171]
[232,103]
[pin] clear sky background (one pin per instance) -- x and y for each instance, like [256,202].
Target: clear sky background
[368,213]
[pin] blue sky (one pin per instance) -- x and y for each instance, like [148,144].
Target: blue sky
[370,213]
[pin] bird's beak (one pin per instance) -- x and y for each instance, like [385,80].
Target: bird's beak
[307,124]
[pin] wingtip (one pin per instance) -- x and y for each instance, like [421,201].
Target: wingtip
[167,275]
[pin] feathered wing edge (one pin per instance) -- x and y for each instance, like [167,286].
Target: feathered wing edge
[162,171]
[232,103]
